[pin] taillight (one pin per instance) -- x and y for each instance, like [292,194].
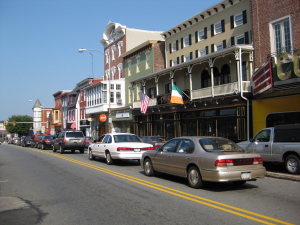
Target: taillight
[257,161]
[65,140]
[147,148]
[47,140]
[85,140]
[124,149]
[224,162]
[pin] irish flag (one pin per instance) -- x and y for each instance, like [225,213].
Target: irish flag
[176,95]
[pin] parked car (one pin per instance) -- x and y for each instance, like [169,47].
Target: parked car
[88,141]
[26,142]
[115,146]
[69,140]
[201,159]
[156,141]
[46,142]
[280,144]
[35,140]
[17,141]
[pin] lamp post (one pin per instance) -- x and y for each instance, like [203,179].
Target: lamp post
[108,56]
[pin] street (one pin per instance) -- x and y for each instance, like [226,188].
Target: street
[70,189]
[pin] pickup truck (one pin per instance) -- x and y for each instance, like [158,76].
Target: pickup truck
[277,144]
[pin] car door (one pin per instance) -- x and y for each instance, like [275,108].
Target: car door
[162,160]
[182,156]
[103,145]
[96,146]
[261,144]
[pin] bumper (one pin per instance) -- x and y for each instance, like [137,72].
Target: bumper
[74,146]
[232,175]
[127,155]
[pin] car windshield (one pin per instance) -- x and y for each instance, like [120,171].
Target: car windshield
[219,145]
[126,138]
[74,134]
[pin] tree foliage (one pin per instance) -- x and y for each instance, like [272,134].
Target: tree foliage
[22,129]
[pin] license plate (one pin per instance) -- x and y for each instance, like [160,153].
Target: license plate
[75,141]
[137,150]
[245,175]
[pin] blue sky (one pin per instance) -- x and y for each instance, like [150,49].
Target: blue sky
[39,40]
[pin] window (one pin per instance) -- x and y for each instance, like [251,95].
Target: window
[147,59]
[104,86]
[120,47]
[219,46]
[138,62]
[240,39]
[281,36]
[218,28]
[120,69]
[112,97]
[174,46]
[203,52]
[129,67]
[113,50]
[205,79]
[174,63]
[238,20]
[107,56]
[186,42]
[152,92]
[118,95]
[104,96]
[118,87]
[202,35]
[112,86]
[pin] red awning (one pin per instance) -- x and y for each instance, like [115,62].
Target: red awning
[73,126]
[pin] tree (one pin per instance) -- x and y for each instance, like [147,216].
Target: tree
[22,129]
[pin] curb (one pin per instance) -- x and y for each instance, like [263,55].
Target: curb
[283,176]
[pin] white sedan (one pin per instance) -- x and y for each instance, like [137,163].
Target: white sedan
[114,146]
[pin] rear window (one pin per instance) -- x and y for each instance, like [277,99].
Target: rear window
[287,135]
[126,138]
[219,145]
[74,134]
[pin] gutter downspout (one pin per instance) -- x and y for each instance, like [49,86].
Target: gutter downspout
[242,96]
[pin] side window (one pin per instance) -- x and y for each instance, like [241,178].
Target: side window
[105,139]
[109,140]
[263,136]
[170,146]
[186,146]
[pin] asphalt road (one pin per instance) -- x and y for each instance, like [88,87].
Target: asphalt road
[42,187]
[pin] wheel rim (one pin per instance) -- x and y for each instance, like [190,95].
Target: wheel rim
[147,167]
[292,165]
[193,176]
[90,154]
[108,157]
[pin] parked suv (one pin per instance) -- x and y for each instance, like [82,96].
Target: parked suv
[69,140]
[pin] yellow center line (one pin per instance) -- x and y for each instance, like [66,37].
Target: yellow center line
[194,198]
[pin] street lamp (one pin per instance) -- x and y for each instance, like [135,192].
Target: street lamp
[108,77]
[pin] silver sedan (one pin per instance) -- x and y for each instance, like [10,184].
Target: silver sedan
[201,159]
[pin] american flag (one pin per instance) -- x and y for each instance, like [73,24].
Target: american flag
[144,103]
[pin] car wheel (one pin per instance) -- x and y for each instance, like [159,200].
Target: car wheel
[194,177]
[43,147]
[148,168]
[91,157]
[53,149]
[109,159]
[292,164]
[239,182]
[81,150]
[62,151]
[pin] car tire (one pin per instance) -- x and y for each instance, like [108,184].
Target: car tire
[194,178]
[109,160]
[43,147]
[81,150]
[148,167]
[292,164]
[53,149]
[91,156]
[62,151]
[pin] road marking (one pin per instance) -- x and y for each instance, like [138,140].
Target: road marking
[181,194]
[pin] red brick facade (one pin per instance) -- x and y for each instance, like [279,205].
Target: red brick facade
[265,11]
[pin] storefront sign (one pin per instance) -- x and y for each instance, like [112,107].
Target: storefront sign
[102,118]
[122,114]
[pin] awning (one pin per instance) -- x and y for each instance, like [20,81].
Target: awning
[73,126]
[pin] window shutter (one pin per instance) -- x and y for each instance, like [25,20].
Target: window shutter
[171,63]
[196,37]
[177,45]
[190,39]
[246,34]
[224,43]
[196,54]
[177,60]
[170,46]
[181,42]
[182,58]
[166,88]
[205,32]
[212,30]
[206,49]
[212,48]
[232,41]
[191,55]
[231,22]
[244,16]
[223,25]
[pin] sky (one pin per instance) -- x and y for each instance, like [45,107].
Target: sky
[39,41]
